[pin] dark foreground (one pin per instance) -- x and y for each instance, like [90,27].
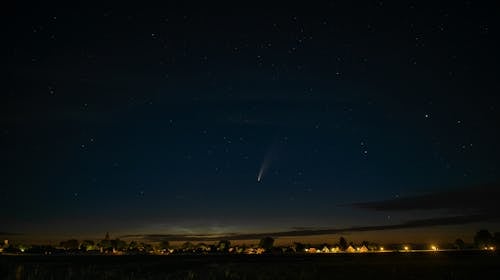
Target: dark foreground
[437,265]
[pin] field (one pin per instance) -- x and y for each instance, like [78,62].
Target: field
[437,265]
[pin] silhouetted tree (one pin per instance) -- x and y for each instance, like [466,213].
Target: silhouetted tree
[106,245]
[482,238]
[86,245]
[133,246]
[187,245]
[342,243]
[164,245]
[202,247]
[71,244]
[118,244]
[266,243]
[459,244]
[224,245]
[146,247]
[298,247]
[213,248]
[372,246]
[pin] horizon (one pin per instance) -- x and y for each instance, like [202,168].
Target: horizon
[433,235]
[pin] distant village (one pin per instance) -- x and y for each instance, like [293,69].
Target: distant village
[483,240]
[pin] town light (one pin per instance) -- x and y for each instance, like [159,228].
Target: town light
[434,248]
[381,248]
[406,248]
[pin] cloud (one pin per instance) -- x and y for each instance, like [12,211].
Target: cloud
[471,205]
[437,221]
[481,199]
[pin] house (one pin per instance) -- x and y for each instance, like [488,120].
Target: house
[249,251]
[335,249]
[363,249]
[260,251]
[311,250]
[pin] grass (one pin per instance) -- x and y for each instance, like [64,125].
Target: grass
[449,265]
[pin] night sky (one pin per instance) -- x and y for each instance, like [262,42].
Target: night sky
[247,119]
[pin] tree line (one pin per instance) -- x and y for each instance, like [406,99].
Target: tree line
[483,239]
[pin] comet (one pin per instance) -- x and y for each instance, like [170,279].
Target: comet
[262,169]
[268,158]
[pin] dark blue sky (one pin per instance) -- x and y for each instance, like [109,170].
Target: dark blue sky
[141,120]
